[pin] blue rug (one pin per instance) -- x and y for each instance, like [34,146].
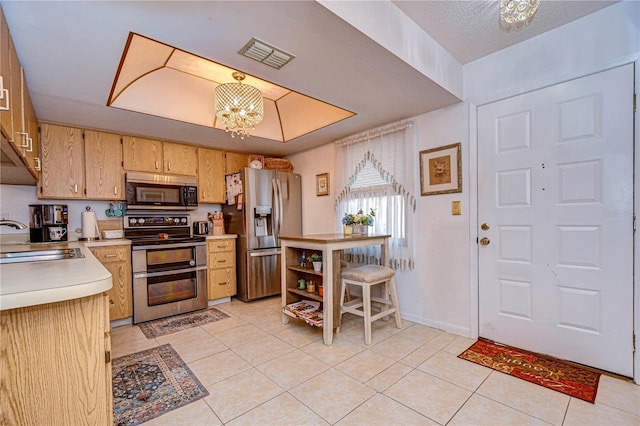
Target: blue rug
[150,383]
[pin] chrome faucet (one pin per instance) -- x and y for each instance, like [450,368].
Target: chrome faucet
[13,224]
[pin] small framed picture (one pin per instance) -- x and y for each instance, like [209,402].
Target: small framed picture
[322,184]
[441,170]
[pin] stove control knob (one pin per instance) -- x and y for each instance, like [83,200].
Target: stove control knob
[183,220]
[169,219]
[132,221]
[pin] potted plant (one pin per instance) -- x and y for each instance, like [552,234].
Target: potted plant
[357,223]
[316,260]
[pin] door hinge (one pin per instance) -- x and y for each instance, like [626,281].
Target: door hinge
[633,341]
[634,102]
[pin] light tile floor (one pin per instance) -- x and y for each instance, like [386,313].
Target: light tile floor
[259,371]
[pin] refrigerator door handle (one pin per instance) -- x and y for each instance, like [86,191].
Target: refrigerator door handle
[276,212]
[280,208]
[265,253]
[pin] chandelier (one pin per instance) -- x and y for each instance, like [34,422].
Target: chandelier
[516,14]
[238,106]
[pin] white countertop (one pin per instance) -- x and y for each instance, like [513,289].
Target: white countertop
[35,283]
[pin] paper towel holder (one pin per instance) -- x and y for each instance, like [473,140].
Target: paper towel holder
[89,221]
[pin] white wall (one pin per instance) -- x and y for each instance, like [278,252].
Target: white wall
[318,213]
[15,200]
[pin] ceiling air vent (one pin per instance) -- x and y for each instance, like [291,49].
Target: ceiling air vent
[265,53]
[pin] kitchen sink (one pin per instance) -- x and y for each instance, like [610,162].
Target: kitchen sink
[40,255]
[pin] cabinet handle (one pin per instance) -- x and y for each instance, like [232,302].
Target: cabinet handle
[156,164]
[111,303]
[221,261]
[75,188]
[107,357]
[223,283]
[25,139]
[168,165]
[30,142]
[110,255]
[38,164]
[4,93]
[115,190]
[221,247]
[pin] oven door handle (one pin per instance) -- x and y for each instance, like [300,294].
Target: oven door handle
[165,273]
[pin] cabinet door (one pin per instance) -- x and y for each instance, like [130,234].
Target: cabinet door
[142,155]
[116,259]
[180,159]
[210,176]
[236,162]
[103,162]
[30,127]
[5,73]
[62,152]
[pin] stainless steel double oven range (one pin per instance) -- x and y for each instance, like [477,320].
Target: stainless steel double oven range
[169,265]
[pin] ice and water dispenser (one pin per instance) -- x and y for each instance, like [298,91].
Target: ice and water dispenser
[262,221]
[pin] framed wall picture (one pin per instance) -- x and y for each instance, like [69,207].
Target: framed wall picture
[441,170]
[322,184]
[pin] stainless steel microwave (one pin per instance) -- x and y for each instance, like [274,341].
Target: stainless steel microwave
[147,191]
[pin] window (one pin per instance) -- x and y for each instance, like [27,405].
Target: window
[378,175]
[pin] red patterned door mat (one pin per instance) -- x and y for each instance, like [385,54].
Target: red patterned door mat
[545,371]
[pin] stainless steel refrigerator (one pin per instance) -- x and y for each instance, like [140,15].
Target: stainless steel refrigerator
[271,205]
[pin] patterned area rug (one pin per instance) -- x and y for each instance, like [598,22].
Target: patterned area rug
[545,371]
[150,383]
[169,325]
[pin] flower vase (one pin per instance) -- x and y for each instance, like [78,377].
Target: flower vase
[348,230]
[361,229]
[317,266]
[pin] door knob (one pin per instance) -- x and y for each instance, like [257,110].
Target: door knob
[484,227]
[485,241]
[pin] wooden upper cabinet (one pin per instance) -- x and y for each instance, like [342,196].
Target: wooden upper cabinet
[62,151]
[180,159]
[236,162]
[30,127]
[5,73]
[11,113]
[211,185]
[142,155]
[103,166]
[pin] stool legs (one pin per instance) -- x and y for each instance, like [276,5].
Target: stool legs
[394,301]
[366,300]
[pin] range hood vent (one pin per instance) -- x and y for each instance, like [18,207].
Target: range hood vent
[266,53]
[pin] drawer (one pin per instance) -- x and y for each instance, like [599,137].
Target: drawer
[220,245]
[221,260]
[111,253]
[222,283]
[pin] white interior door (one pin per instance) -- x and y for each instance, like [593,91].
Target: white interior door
[555,190]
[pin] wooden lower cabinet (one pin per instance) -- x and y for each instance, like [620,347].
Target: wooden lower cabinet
[56,364]
[221,268]
[117,260]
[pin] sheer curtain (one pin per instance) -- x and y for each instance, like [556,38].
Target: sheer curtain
[378,173]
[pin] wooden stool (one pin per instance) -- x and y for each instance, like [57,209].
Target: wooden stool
[367,276]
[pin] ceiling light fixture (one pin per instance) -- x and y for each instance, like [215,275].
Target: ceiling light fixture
[516,14]
[238,106]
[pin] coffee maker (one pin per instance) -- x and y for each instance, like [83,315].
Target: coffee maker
[48,222]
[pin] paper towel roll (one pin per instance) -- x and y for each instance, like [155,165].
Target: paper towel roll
[89,225]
